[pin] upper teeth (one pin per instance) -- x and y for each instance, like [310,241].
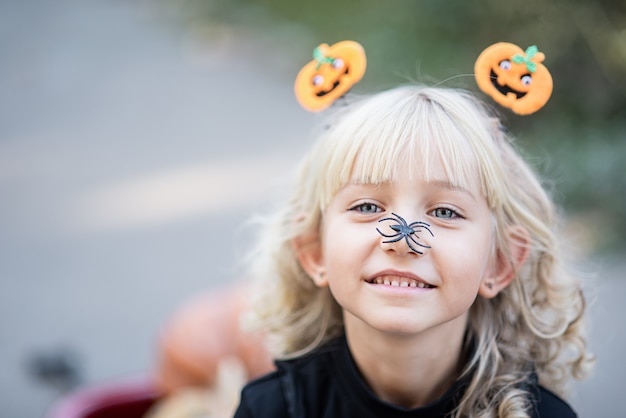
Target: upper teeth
[400,282]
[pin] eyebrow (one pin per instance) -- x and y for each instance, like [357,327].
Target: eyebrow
[447,185]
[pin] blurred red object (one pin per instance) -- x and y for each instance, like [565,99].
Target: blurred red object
[127,398]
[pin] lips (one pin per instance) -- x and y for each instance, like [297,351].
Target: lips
[399,279]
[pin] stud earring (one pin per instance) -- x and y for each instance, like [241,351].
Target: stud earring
[490,285]
[319,277]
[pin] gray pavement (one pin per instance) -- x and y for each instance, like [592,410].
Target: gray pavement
[131,152]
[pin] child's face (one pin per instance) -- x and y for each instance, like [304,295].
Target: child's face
[362,270]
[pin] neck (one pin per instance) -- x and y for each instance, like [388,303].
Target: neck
[408,370]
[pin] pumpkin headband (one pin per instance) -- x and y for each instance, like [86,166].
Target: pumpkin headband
[514,78]
[333,71]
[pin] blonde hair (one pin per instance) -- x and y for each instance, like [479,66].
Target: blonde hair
[537,320]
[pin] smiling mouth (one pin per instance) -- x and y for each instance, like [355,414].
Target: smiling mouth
[398,281]
[504,90]
[324,93]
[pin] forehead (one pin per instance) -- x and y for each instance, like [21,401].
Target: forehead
[407,133]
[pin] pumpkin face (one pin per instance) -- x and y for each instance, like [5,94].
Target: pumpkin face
[514,78]
[333,71]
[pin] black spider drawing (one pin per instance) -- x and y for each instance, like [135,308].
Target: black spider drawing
[406,231]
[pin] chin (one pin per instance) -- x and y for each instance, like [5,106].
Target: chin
[398,327]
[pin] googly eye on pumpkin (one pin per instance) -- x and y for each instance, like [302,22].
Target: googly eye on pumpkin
[318,80]
[337,64]
[514,78]
[333,71]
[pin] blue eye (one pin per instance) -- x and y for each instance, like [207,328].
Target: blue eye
[444,213]
[366,208]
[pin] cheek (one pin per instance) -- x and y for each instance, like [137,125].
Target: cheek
[341,237]
[466,254]
[467,269]
[468,272]
[345,245]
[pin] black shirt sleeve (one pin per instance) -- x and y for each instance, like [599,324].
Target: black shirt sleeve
[549,405]
[263,398]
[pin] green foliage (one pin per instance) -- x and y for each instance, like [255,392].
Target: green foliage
[582,129]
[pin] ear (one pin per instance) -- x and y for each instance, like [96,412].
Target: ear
[308,250]
[505,269]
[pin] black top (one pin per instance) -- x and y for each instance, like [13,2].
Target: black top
[326,384]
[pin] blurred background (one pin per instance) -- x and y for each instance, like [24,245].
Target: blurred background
[136,139]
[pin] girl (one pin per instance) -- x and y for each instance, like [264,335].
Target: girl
[414,273]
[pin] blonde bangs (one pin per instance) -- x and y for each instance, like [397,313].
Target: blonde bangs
[381,135]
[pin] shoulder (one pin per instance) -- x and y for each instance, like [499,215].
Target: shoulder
[286,390]
[549,405]
[264,395]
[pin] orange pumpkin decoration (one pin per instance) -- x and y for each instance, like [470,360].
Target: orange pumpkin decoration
[205,332]
[333,71]
[514,78]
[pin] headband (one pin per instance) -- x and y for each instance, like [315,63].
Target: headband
[514,78]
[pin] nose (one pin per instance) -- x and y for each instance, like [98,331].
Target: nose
[403,237]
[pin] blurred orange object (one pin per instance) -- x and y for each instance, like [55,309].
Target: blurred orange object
[204,332]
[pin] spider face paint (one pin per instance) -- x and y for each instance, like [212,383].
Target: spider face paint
[406,231]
